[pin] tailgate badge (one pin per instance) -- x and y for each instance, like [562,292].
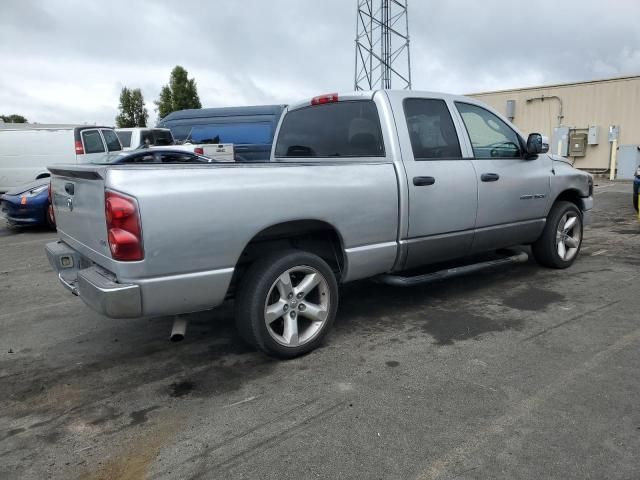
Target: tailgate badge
[70,204]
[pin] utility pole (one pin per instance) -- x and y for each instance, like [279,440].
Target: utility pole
[382,45]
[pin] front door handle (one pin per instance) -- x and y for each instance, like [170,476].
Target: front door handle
[422,181]
[489,177]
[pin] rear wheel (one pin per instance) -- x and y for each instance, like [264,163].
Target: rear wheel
[48,215]
[561,239]
[287,303]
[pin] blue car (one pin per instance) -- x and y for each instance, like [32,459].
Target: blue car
[636,189]
[28,204]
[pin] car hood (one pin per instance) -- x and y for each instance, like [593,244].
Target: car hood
[27,186]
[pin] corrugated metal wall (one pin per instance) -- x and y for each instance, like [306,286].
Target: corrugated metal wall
[602,103]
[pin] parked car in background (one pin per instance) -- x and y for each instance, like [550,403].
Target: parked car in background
[132,138]
[249,129]
[636,189]
[28,205]
[137,138]
[27,149]
[359,185]
[153,155]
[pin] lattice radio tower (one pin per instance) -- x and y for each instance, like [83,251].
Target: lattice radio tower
[382,45]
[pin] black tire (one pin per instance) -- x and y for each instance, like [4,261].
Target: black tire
[545,249]
[256,290]
[51,224]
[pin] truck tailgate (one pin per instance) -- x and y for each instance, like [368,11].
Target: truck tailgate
[77,193]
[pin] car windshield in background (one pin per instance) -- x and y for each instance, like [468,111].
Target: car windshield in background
[344,129]
[152,157]
[239,134]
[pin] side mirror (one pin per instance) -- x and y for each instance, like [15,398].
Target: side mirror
[536,144]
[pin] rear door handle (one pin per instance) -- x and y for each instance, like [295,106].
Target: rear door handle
[489,177]
[422,181]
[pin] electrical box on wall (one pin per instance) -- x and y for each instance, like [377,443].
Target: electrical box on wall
[577,144]
[614,133]
[594,135]
[560,141]
[628,161]
[511,109]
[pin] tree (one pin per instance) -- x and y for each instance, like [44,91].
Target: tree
[13,118]
[132,110]
[165,102]
[180,94]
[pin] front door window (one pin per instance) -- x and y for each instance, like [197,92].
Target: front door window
[490,136]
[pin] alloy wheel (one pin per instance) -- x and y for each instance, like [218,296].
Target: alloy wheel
[297,306]
[568,235]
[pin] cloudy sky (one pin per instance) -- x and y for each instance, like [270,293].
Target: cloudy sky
[65,61]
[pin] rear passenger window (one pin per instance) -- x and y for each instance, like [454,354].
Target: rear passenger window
[125,138]
[342,129]
[92,141]
[162,138]
[111,139]
[146,137]
[431,129]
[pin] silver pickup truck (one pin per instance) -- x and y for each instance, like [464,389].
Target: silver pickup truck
[361,185]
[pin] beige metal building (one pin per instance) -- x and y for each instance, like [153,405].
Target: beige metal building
[576,117]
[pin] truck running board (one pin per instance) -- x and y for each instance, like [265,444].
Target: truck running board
[401,281]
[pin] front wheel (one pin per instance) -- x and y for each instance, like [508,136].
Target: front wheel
[287,303]
[561,239]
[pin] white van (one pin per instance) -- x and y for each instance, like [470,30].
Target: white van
[132,138]
[27,149]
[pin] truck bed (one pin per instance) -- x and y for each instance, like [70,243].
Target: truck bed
[197,219]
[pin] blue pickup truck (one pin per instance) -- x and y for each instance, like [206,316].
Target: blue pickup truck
[249,129]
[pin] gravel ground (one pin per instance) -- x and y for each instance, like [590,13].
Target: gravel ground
[519,372]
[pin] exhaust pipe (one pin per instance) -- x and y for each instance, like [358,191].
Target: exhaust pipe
[179,329]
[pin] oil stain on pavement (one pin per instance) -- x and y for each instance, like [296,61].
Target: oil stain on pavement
[532,299]
[447,326]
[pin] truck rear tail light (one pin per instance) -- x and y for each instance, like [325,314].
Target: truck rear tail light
[198,151]
[124,232]
[79,148]
[322,99]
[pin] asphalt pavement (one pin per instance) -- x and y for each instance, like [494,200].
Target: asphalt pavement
[518,372]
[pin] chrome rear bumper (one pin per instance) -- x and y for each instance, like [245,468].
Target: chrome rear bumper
[94,285]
